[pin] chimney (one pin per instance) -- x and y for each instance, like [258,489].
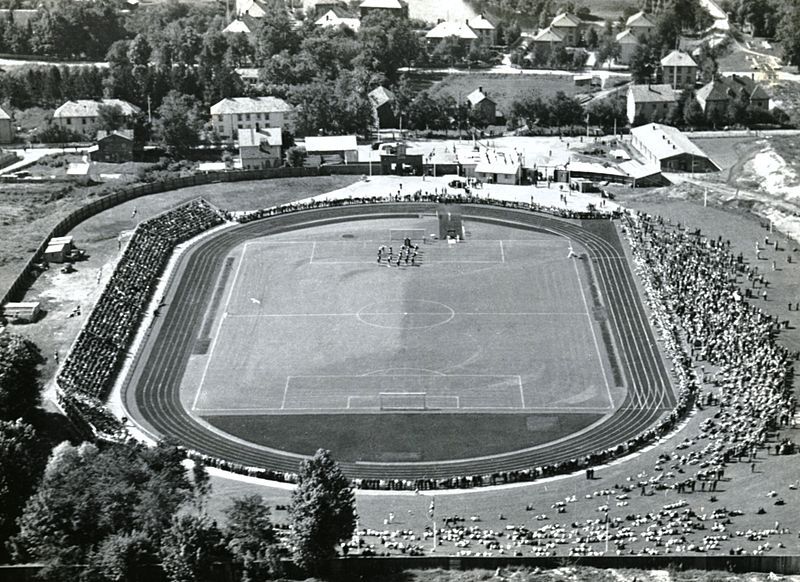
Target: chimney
[480,89]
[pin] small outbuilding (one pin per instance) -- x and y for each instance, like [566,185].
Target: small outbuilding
[22,312]
[332,149]
[113,146]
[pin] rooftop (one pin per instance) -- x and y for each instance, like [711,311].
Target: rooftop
[448,29]
[498,162]
[251,137]
[565,20]
[250,105]
[480,23]
[652,93]
[331,143]
[678,59]
[627,37]
[713,91]
[477,96]
[380,96]
[665,141]
[237,26]
[125,133]
[90,108]
[547,35]
[639,20]
[387,4]
[338,16]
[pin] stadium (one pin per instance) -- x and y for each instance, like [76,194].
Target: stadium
[491,370]
[498,353]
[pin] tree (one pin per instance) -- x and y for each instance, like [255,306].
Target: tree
[19,376]
[643,63]
[388,43]
[251,538]
[121,555]
[190,547]
[110,117]
[88,494]
[275,32]
[788,31]
[322,511]
[565,110]
[178,125]
[19,465]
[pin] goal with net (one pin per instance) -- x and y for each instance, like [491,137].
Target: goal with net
[417,235]
[403,400]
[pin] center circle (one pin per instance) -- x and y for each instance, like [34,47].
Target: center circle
[406,314]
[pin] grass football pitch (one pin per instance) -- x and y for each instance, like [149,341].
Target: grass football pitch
[489,342]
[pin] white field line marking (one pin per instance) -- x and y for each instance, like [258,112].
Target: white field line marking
[462,313]
[502,253]
[285,392]
[313,251]
[521,392]
[565,409]
[219,329]
[594,335]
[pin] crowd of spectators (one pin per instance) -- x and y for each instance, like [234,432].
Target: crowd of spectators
[442,197]
[90,368]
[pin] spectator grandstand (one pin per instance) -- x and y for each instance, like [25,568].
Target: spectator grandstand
[90,368]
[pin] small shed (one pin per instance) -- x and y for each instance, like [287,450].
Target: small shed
[56,252]
[66,240]
[115,146]
[22,312]
[333,149]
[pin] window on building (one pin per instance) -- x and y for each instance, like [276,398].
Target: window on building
[238,117]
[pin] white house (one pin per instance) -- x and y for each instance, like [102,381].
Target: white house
[485,30]
[81,116]
[639,24]
[260,149]
[627,42]
[256,113]
[336,17]
[448,29]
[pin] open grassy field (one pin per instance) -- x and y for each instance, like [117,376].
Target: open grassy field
[503,89]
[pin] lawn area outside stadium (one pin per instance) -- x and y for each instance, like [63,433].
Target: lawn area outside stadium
[500,343]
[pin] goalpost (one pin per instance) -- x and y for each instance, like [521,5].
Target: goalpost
[403,400]
[417,235]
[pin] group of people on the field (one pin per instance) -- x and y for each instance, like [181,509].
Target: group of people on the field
[407,255]
[105,338]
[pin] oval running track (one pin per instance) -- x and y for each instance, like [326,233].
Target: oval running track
[152,393]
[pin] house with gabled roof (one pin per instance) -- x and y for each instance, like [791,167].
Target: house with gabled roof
[238,26]
[648,102]
[234,113]
[713,98]
[485,30]
[6,127]
[568,27]
[627,42]
[82,115]
[679,70]
[483,106]
[746,88]
[113,146]
[336,17]
[448,29]
[397,7]
[639,24]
